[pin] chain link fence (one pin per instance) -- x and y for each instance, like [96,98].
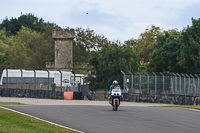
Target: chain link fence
[158,83]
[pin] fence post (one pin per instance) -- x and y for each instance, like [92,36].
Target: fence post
[48,79]
[197,85]
[175,82]
[189,82]
[6,78]
[21,77]
[163,82]
[60,80]
[131,81]
[155,83]
[124,80]
[34,78]
[140,80]
[179,83]
[193,84]
[73,72]
[184,83]
[147,82]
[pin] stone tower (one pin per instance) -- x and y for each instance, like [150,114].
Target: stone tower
[63,50]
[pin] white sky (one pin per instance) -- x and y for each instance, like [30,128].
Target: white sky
[115,19]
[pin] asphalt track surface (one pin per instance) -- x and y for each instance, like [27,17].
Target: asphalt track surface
[128,119]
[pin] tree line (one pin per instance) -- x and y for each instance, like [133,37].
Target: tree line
[26,42]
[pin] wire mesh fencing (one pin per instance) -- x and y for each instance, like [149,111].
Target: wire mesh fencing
[154,83]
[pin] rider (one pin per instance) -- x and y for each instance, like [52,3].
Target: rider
[115,84]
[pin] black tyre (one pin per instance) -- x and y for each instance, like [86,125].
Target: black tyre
[116,105]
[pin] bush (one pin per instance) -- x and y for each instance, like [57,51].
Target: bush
[53,86]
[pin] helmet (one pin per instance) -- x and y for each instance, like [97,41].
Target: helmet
[115,83]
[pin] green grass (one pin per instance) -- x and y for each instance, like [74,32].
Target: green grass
[11,122]
[11,103]
[197,107]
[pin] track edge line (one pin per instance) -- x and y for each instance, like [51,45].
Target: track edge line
[41,119]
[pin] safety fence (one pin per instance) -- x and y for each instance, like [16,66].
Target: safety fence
[158,83]
[40,84]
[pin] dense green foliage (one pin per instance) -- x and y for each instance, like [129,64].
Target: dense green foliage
[144,45]
[176,51]
[26,42]
[29,20]
[190,50]
[108,64]
[28,50]
[84,42]
[166,51]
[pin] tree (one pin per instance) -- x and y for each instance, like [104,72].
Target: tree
[190,51]
[29,20]
[108,63]
[2,59]
[84,42]
[30,50]
[144,45]
[166,53]
[5,43]
[18,56]
[130,42]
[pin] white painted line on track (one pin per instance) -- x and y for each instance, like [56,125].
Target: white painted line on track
[42,119]
[196,110]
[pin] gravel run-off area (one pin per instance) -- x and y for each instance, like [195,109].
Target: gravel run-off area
[35,101]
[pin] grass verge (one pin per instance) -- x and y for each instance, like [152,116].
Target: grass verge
[11,103]
[197,107]
[12,122]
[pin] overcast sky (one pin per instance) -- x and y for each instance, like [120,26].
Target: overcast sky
[115,19]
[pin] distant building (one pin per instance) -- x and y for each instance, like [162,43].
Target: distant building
[17,76]
[63,50]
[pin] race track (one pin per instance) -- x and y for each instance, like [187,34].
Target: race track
[128,119]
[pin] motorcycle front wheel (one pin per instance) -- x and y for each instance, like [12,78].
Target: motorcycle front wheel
[116,105]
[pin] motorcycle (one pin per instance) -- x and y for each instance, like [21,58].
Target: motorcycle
[115,98]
